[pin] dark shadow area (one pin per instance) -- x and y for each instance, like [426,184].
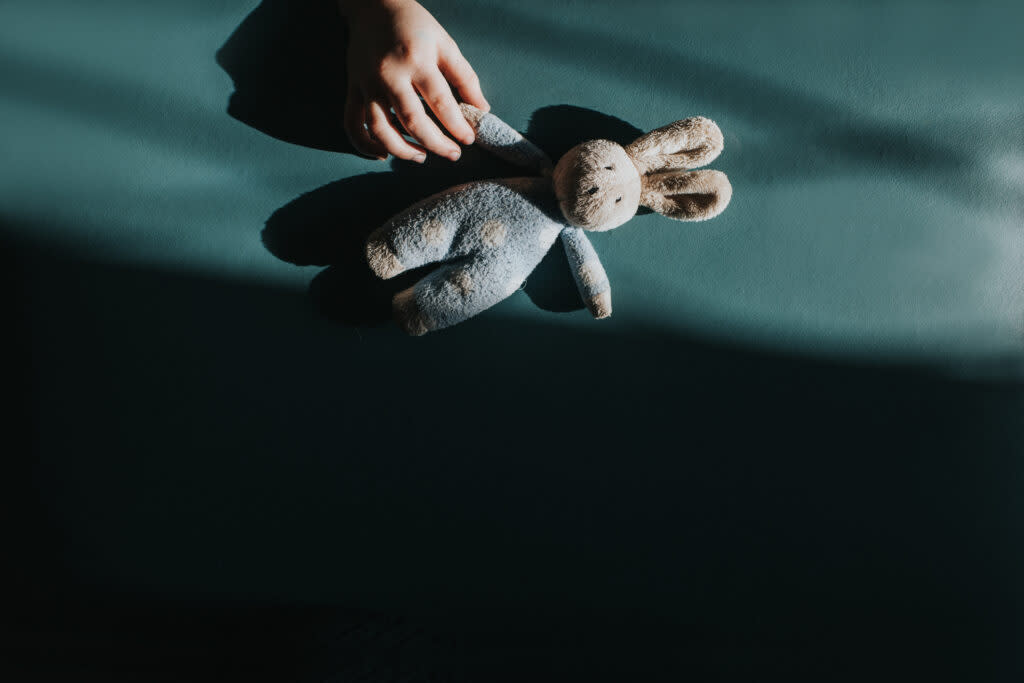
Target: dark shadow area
[222,485]
[557,129]
[329,225]
[209,480]
[287,61]
[105,637]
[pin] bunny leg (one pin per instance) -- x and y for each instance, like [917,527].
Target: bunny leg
[402,245]
[454,293]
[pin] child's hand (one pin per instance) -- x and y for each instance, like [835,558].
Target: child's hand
[397,52]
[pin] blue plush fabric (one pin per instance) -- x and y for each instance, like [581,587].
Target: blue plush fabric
[586,266]
[498,137]
[490,235]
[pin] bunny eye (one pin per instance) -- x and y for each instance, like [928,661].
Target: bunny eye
[617,200]
[610,168]
[592,190]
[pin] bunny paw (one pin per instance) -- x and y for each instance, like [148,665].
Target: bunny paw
[408,314]
[600,305]
[382,259]
[472,114]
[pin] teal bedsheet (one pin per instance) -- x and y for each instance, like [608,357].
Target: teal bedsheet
[876,152]
[797,441]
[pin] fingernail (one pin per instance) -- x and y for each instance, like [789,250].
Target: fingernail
[381,158]
[420,158]
[470,139]
[454,156]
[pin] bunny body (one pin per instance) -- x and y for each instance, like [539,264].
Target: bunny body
[490,235]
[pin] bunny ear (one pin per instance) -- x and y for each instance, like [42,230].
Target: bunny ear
[692,196]
[685,144]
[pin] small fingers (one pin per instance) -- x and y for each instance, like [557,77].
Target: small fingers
[355,126]
[460,74]
[384,132]
[414,119]
[439,98]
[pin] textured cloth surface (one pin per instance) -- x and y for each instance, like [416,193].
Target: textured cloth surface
[874,212]
[793,449]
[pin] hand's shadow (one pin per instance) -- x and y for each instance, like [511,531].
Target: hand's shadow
[287,63]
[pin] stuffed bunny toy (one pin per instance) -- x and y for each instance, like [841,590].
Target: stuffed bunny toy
[489,235]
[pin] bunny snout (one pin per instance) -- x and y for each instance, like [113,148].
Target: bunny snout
[597,185]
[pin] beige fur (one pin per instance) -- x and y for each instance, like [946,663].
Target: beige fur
[597,185]
[600,184]
[492,233]
[587,276]
[685,144]
[462,281]
[382,260]
[600,306]
[408,315]
[433,231]
[472,114]
[692,196]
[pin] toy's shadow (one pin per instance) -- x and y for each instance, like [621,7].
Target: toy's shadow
[287,62]
[329,225]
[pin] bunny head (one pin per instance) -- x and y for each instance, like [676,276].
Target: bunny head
[600,184]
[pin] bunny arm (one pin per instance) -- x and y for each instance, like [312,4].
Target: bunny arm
[588,272]
[504,141]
